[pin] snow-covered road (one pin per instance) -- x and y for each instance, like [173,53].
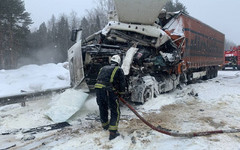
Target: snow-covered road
[207,105]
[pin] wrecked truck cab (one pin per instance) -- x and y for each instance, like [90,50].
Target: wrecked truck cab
[140,63]
[158,54]
[145,35]
[96,56]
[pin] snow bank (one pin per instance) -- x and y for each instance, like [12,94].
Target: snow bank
[33,78]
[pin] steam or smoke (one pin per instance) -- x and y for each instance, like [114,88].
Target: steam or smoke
[46,55]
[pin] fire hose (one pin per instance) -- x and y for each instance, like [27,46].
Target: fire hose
[176,133]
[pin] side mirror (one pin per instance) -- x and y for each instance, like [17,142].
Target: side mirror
[76,35]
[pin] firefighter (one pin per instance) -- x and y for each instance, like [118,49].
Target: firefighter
[110,83]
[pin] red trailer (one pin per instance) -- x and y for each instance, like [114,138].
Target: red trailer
[204,46]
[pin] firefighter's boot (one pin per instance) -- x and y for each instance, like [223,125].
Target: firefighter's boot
[113,135]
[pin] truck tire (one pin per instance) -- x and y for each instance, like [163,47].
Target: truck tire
[211,74]
[215,73]
[147,94]
[223,68]
[207,76]
[238,67]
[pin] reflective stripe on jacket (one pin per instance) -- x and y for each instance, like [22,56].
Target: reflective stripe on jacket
[111,76]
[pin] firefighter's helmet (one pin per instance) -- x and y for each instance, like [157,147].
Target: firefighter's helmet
[116,58]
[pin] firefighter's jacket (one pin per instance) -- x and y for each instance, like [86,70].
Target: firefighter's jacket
[111,77]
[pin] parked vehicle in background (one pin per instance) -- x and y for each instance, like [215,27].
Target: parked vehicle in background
[232,58]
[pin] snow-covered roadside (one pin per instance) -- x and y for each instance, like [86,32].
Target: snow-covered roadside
[216,107]
[34,78]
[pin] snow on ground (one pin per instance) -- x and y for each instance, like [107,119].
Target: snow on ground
[206,105]
[33,78]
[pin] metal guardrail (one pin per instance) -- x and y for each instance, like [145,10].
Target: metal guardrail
[22,98]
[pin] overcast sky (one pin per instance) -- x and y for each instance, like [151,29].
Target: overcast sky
[42,10]
[223,15]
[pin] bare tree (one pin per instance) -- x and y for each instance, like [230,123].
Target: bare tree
[75,21]
[229,44]
[99,15]
[175,6]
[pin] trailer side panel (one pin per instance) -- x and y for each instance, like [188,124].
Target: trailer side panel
[204,46]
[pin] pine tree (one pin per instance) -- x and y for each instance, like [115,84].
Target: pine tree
[43,34]
[52,31]
[14,30]
[63,38]
[85,28]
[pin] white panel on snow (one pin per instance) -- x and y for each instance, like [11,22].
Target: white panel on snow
[66,105]
[139,11]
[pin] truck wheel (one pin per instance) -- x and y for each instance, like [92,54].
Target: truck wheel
[215,73]
[161,88]
[238,67]
[147,94]
[207,76]
[211,74]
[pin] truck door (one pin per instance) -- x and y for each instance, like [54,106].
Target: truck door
[76,66]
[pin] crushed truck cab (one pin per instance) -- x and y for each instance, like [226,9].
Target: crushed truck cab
[159,49]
